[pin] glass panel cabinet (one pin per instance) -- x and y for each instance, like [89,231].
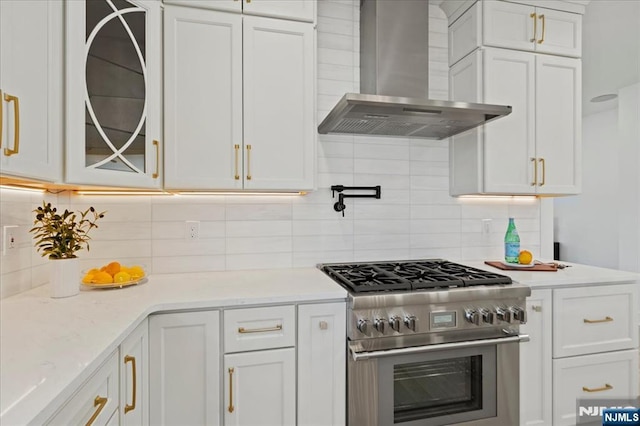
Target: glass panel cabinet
[114,93]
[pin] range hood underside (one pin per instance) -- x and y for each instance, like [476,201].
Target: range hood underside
[364,114]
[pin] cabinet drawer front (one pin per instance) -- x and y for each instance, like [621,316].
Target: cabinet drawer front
[259,328]
[594,319]
[508,25]
[600,376]
[90,398]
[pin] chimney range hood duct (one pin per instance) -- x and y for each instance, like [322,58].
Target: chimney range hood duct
[394,80]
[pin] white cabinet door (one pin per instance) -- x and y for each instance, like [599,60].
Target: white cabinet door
[113,115]
[203,99]
[535,361]
[184,365]
[31,77]
[303,10]
[600,376]
[134,377]
[260,388]
[279,82]
[560,33]
[509,143]
[558,124]
[321,364]
[509,25]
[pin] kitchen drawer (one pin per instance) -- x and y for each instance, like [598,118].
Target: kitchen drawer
[610,375]
[594,319]
[86,402]
[259,328]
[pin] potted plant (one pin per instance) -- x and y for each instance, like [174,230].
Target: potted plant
[59,236]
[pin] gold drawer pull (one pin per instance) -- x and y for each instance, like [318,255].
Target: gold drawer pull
[543,29]
[606,319]
[157,172]
[132,360]
[237,150]
[259,330]
[231,390]
[99,402]
[606,387]
[535,26]
[544,171]
[248,162]
[16,124]
[535,172]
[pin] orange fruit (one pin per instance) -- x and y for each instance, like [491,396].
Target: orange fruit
[102,277]
[113,268]
[136,272]
[121,277]
[525,257]
[87,278]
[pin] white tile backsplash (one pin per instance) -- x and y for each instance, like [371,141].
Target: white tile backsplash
[415,218]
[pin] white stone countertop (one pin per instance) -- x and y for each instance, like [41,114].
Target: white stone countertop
[49,347]
[571,276]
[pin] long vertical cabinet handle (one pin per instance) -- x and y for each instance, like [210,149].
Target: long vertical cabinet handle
[248,162]
[544,171]
[236,148]
[535,172]
[231,408]
[16,125]
[132,360]
[544,21]
[535,26]
[157,172]
[99,402]
[1,117]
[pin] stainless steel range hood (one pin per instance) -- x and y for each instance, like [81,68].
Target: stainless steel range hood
[394,80]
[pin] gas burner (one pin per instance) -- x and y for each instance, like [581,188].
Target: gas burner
[409,275]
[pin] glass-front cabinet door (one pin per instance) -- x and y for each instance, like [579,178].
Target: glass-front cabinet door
[113,93]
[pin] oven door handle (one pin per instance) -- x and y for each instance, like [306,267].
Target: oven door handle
[358,355]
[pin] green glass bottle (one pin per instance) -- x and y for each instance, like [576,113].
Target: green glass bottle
[511,243]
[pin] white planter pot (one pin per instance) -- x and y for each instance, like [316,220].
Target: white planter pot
[65,277]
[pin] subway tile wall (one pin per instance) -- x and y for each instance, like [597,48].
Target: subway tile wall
[415,218]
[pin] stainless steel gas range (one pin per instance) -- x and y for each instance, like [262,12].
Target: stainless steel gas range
[431,342]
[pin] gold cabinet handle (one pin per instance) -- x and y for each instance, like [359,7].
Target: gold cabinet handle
[1,117]
[248,1]
[99,402]
[606,387]
[535,172]
[237,151]
[542,18]
[605,319]
[157,173]
[248,162]
[16,124]
[231,408]
[544,171]
[536,308]
[132,360]
[535,26]
[243,330]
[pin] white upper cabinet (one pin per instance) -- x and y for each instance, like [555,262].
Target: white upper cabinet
[239,105]
[31,81]
[113,110]
[300,10]
[518,27]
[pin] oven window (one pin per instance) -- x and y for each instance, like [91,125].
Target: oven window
[437,388]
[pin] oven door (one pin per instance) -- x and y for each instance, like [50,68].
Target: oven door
[472,382]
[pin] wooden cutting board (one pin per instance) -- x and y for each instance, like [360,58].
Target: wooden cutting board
[536,267]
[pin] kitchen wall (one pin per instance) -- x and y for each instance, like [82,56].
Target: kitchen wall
[415,218]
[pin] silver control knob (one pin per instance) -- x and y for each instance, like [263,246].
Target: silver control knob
[379,324]
[410,322]
[504,315]
[472,316]
[519,314]
[394,323]
[363,325]
[488,316]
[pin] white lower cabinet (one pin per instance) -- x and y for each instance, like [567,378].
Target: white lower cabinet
[260,388]
[184,361]
[322,364]
[96,402]
[598,376]
[134,377]
[536,362]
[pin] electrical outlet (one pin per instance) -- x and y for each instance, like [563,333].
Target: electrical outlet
[9,242]
[192,230]
[486,226]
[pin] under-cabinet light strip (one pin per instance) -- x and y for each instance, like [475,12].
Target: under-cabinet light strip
[512,198]
[196,193]
[22,188]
